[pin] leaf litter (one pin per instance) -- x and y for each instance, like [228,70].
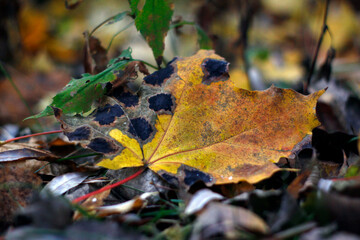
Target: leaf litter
[319,201]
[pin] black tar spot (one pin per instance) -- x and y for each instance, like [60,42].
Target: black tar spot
[106,115]
[158,77]
[141,128]
[214,69]
[192,176]
[173,60]
[102,145]
[161,101]
[81,133]
[127,98]
[170,179]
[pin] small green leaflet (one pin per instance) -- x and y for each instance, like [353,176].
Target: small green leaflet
[153,22]
[79,95]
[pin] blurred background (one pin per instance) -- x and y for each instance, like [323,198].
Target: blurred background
[266,41]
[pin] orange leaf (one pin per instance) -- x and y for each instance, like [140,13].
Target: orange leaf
[190,119]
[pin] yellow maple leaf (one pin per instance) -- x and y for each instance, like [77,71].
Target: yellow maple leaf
[190,116]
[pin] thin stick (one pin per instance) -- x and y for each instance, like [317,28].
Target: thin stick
[30,135]
[324,29]
[76,200]
[101,24]
[116,34]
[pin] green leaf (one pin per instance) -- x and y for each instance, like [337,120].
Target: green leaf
[153,22]
[203,39]
[79,95]
[133,6]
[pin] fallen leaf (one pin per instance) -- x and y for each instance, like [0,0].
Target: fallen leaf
[21,151]
[95,55]
[200,200]
[92,203]
[65,182]
[17,183]
[46,212]
[190,115]
[344,210]
[125,207]
[227,221]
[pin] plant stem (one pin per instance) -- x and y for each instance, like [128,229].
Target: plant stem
[182,23]
[146,63]
[76,200]
[116,34]
[101,24]
[324,29]
[30,135]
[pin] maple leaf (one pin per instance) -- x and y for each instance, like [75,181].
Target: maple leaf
[190,118]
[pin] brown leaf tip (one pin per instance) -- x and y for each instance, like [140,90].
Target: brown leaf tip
[214,70]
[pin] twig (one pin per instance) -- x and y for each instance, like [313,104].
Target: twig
[322,34]
[247,12]
[101,24]
[30,135]
[116,34]
[76,200]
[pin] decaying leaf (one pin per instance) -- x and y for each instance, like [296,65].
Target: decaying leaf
[22,151]
[65,182]
[92,203]
[16,184]
[125,207]
[200,199]
[227,221]
[95,55]
[190,115]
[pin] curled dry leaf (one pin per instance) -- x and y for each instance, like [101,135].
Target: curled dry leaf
[65,182]
[23,151]
[221,219]
[190,115]
[200,199]
[125,207]
[92,203]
